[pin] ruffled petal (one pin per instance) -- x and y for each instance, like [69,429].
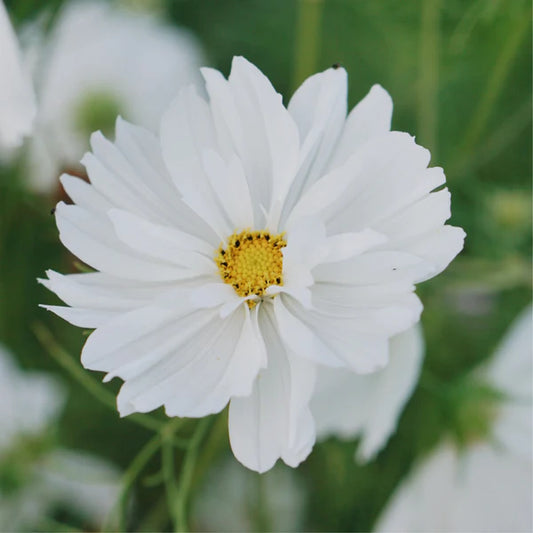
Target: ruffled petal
[187,132]
[143,150]
[93,240]
[205,367]
[369,118]
[274,421]
[96,290]
[193,256]
[250,115]
[341,335]
[319,109]
[388,174]
[350,405]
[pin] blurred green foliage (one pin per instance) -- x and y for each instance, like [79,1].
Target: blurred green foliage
[459,73]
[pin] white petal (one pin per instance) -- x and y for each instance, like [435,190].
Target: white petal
[84,194]
[230,185]
[143,149]
[187,131]
[113,174]
[96,290]
[300,338]
[437,248]
[319,109]
[166,243]
[375,267]
[274,421]
[214,295]
[354,338]
[346,245]
[419,229]
[270,137]
[17,100]
[203,371]
[370,117]
[83,318]
[385,176]
[146,332]
[94,242]
[350,405]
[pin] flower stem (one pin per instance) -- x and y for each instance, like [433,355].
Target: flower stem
[187,470]
[308,35]
[494,86]
[169,475]
[129,477]
[46,339]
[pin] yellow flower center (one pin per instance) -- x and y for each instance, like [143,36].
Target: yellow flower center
[251,261]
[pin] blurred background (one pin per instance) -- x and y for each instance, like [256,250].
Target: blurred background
[459,73]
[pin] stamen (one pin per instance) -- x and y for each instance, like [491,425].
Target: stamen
[251,262]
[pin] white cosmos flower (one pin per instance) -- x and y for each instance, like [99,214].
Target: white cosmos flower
[246,245]
[488,485]
[350,405]
[100,60]
[17,99]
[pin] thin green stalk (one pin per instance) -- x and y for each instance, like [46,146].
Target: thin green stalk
[132,473]
[501,137]
[217,442]
[494,86]
[187,471]
[428,67]
[169,475]
[47,341]
[308,36]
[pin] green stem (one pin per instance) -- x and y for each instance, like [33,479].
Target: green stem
[308,35]
[217,442]
[46,339]
[494,87]
[132,473]
[187,471]
[429,74]
[501,137]
[169,477]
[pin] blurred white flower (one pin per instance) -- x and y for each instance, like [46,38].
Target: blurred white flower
[235,499]
[17,99]
[30,401]
[99,61]
[80,482]
[350,405]
[488,485]
[246,245]
[34,477]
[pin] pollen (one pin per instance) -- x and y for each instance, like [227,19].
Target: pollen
[251,261]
